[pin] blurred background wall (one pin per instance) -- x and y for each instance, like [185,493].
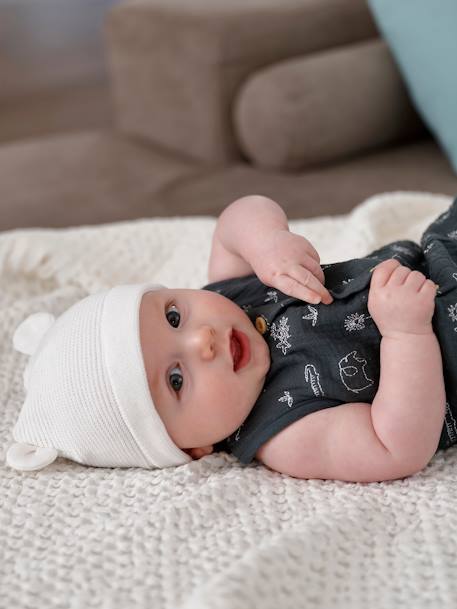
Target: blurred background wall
[54,76]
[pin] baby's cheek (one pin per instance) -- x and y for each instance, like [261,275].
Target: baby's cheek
[228,402]
[221,406]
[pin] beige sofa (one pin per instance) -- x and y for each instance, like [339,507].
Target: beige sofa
[299,100]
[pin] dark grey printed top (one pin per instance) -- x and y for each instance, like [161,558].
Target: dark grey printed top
[326,355]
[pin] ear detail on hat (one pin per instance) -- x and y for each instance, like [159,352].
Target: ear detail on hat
[26,457]
[30,332]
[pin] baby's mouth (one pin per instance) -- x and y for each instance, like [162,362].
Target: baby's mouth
[240,348]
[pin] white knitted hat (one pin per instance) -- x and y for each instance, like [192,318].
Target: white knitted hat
[87,394]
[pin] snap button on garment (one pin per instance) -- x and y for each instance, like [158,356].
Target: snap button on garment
[261,324]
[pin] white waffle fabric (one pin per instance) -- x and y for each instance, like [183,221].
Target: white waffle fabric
[213,533]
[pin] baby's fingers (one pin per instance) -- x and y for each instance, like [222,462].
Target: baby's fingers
[428,286]
[306,286]
[294,288]
[313,252]
[309,266]
[415,280]
[383,271]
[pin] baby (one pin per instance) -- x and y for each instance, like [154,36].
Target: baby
[332,372]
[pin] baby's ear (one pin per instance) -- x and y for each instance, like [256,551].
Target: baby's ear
[198,453]
[31,331]
[27,458]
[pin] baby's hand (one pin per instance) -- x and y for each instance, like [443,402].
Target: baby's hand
[290,263]
[401,300]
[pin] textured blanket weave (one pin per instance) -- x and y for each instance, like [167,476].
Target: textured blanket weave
[212,534]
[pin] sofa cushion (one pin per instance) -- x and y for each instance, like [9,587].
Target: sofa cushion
[422,36]
[333,189]
[84,178]
[323,107]
[176,65]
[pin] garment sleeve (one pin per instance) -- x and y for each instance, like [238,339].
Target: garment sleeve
[257,428]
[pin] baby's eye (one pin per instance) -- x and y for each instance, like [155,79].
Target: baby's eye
[176,379]
[173,316]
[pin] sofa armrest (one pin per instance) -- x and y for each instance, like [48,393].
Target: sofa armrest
[324,107]
[176,65]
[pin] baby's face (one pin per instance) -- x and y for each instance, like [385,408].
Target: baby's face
[185,339]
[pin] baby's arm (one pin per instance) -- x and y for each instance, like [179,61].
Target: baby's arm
[252,236]
[399,432]
[239,227]
[409,406]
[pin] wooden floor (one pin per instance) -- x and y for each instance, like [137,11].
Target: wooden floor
[53,74]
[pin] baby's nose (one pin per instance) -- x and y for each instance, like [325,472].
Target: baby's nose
[204,341]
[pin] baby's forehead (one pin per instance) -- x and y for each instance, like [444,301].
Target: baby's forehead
[188,296]
[151,300]
[149,305]
[152,297]
[170,292]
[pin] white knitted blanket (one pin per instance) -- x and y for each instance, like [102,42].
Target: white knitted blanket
[212,534]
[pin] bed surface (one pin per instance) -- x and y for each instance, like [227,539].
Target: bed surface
[212,534]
